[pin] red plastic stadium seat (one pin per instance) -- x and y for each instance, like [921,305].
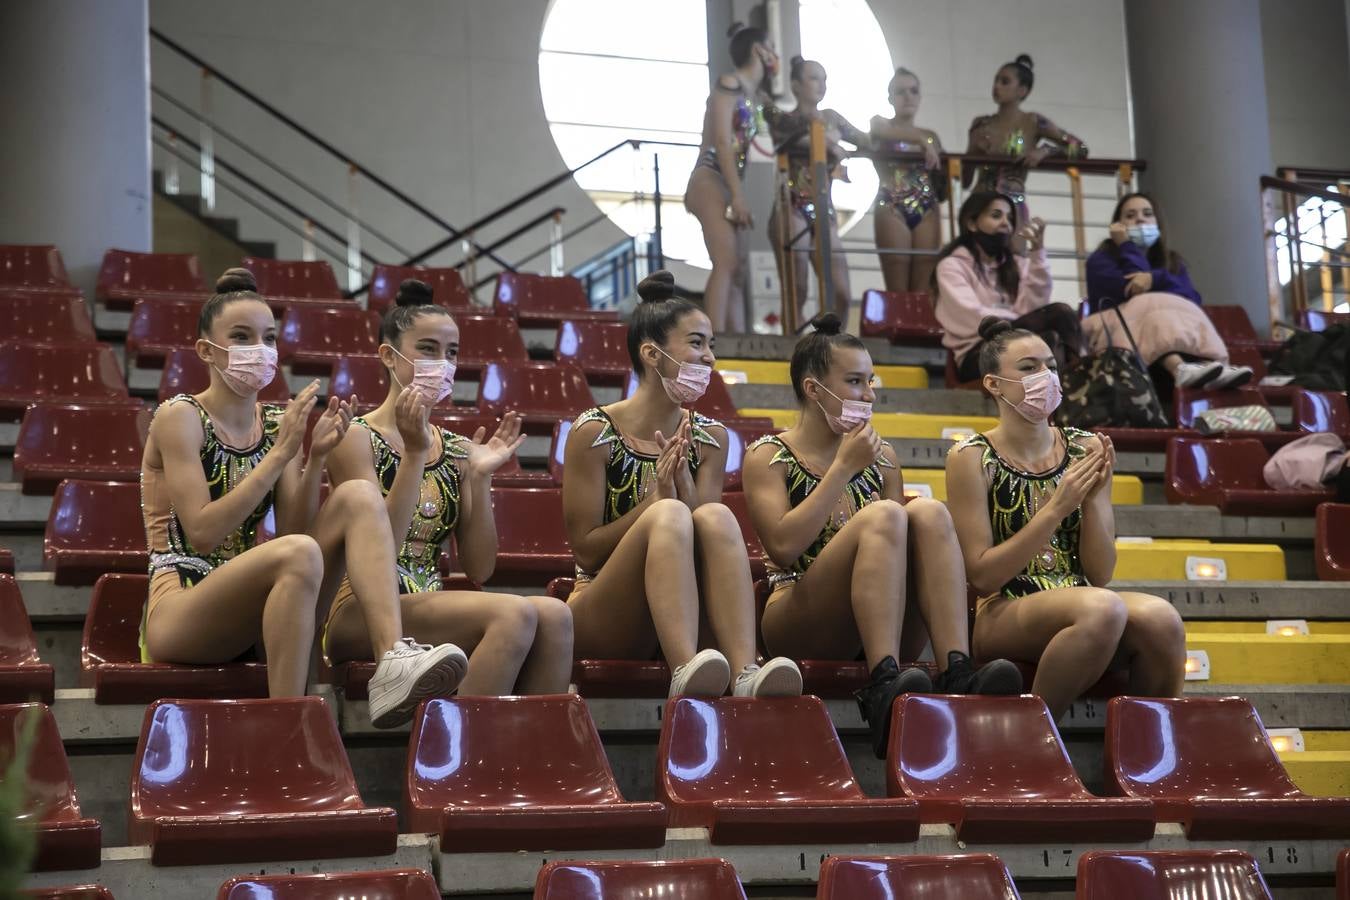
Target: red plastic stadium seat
[741,433]
[58,441]
[543,300]
[685,879]
[94,527]
[973,876]
[1321,320]
[159,327]
[768,770]
[23,676]
[464,421]
[65,373]
[66,839]
[110,654]
[735,501]
[542,393]
[485,339]
[901,318]
[1248,355]
[35,318]
[600,349]
[447,287]
[294,279]
[185,373]
[1331,542]
[311,339]
[1321,411]
[1207,763]
[1189,404]
[393,884]
[126,277]
[1233,325]
[531,541]
[364,376]
[6,561]
[1227,473]
[996,769]
[513,798]
[249,781]
[1169,875]
[72,892]
[35,267]
[1343,875]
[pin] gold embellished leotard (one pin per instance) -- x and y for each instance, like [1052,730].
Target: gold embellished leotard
[791,132]
[1011,177]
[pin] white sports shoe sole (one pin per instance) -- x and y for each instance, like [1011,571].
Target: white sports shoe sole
[707,674]
[442,669]
[779,677]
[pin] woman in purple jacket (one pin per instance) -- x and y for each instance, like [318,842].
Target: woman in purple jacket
[1134,272]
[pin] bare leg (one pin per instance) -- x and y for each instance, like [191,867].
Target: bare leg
[707,198]
[271,590]
[1070,633]
[892,234]
[941,576]
[839,276]
[736,299]
[1171,362]
[1155,640]
[853,594]
[645,593]
[927,236]
[724,583]
[352,529]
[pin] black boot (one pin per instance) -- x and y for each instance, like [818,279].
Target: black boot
[1000,677]
[877,699]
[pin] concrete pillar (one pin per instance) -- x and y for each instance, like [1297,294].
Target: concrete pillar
[75,159]
[1200,115]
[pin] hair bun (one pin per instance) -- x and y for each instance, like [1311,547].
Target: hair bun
[992,326]
[658,286]
[735,27]
[827,323]
[797,60]
[233,280]
[413,293]
[1024,59]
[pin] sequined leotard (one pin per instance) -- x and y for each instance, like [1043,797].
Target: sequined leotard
[224,467]
[628,473]
[800,483]
[747,119]
[791,132]
[1014,498]
[906,187]
[1011,178]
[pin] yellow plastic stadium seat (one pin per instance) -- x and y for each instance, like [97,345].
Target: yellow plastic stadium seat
[1126,490]
[761,371]
[1165,560]
[898,425]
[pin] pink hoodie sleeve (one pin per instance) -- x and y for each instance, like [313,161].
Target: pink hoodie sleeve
[962,302]
[1034,282]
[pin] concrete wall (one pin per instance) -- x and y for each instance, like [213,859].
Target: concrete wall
[1307,81]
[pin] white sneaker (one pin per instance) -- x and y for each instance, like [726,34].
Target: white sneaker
[409,673]
[705,675]
[1232,377]
[1197,374]
[779,677]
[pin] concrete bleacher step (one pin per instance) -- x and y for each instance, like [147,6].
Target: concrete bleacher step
[1322,767]
[1166,559]
[779,347]
[776,373]
[1273,658]
[896,425]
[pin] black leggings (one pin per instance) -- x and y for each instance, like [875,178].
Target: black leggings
[1058,325]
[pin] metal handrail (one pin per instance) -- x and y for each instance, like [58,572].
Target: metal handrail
[507,238]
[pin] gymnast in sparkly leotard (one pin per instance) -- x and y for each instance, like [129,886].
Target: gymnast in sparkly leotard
[792,135]
[735,113]
[1026,138]
[908,164]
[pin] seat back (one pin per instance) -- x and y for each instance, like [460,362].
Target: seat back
[240,757]
[394,884]
[485,339]
[364,376]
[519,292]
[1188,404]
[882,311]
[765,748]
[75,434]
[530,522]
[102,515]
[501,735]
[534,388]
[1232,324]
[1169,874]
[685,879]
[1214,747]
[557,450]
[1331,542]
[70,370]
[1248,355]
[948,747]
[293,278]
[1321,411]
[463,422]
[124,270]
[163,323]
[600,347]
[447,287]
[1199,469]
[33,265]
[17,644]
[741,433]
[50,791]
[112,625]
[185,373]
[736,502]
[37,318]
[307,329]
[972,876]
[1321,320]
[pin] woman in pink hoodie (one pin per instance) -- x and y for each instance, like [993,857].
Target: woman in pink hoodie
[979,275]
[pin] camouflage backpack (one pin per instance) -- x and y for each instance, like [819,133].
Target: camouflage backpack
[1109,390]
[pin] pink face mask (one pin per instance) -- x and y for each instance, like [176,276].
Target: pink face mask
[433,379]
[1041,393]
[690,383]
[251,367]
[852,413]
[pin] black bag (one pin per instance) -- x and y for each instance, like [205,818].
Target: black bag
[1315,359]
[1111,389]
